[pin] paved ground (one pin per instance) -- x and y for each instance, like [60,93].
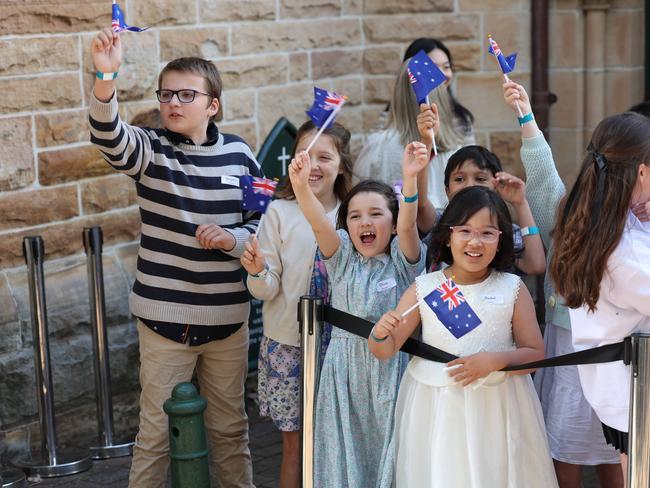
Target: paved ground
[266,449]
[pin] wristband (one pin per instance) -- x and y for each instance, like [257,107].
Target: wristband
[106,76]
[526,118]
[374,337]
[529,231]
[411,199]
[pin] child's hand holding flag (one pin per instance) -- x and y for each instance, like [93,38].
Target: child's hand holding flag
[257,194]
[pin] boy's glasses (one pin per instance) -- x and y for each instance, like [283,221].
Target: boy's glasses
[485,235]
[184,96]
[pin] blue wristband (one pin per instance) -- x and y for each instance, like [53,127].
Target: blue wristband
[526,118]
[412,199]
[529,231]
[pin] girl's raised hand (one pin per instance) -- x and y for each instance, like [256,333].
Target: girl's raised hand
[511,188]
[252,259]
[106,51]
[415,159]
[471,368]
[299,170]
[514,94]
[428,121]
[386,324]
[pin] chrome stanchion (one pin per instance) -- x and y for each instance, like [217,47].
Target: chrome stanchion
[310,316]
[107,448]
[12,478]
[50,461]
[638,462]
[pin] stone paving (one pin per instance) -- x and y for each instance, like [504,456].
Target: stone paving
[266,450]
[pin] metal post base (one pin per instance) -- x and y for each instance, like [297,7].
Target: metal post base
[12,478]
[67,462]
[112,451]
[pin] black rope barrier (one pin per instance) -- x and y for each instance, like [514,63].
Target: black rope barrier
[620,351]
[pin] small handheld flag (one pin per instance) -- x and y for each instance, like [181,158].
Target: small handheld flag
[506,63]
[257,192]
[323,111]
[424,75]
[451,308]
[118,23]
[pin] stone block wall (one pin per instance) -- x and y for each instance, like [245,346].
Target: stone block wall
[270,54]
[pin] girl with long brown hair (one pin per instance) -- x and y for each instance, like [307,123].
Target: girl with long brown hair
[601,260]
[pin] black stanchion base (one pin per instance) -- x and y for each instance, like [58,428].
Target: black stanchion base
[65,462]
[12,478]
[111,451]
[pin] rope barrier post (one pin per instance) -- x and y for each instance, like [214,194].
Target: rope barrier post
[310,317]
[638,465]
[107,449]
[12,478]
[49,462]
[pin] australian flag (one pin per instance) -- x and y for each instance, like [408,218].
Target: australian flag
[424,75]
[256,192]
[451,308]
[326,104]
[118,23]
[507,63]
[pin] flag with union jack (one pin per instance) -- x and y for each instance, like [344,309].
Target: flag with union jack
[451,308]
[424,75]
[325,107]
[118,23]
[256,192]
[506,63]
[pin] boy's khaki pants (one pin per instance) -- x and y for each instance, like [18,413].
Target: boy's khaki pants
[221,369]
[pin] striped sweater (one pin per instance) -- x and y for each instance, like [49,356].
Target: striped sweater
[180,186]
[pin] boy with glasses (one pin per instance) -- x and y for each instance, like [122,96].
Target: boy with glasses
[188,295]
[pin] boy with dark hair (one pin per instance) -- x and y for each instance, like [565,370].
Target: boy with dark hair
[188,296]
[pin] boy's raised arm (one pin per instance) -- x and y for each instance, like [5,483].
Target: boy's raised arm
[125,148]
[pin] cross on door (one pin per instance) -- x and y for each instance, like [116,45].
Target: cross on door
[283,158]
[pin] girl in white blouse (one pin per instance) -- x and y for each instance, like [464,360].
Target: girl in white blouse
[601,264]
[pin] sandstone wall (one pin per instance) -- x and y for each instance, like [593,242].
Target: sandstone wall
[270,53]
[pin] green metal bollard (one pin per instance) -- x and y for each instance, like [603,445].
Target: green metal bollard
[188,449]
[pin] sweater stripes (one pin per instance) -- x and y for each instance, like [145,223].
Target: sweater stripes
[181,186]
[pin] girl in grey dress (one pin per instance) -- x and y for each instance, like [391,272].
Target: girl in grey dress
[368,269]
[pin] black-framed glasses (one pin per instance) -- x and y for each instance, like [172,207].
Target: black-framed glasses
[184,96]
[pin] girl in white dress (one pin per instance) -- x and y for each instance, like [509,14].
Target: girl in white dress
[467,424]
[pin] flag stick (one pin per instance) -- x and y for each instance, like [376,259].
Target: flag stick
[433,136]
[259,225]
[327,122]
[410,309]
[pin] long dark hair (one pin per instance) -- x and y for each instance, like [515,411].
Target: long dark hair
[591,219]
[341,137]
[428,44]
[462,206]
[367,186]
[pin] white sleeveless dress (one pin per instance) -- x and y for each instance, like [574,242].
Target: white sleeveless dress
[487,435]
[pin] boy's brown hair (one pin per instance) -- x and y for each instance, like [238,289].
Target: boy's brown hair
[201,67]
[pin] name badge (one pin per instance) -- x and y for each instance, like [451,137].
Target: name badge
[386,284]
[493,299]
[230,180]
